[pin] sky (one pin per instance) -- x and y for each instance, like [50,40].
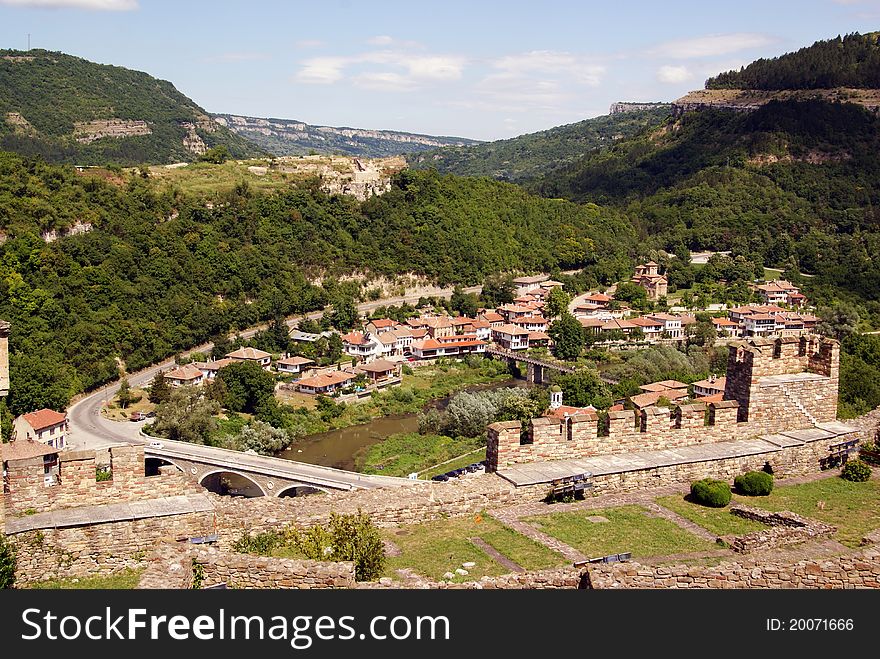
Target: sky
[483,69]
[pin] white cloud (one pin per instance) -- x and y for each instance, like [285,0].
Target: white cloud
[711,45]
[401,69]
[579,68]
[381,40]
[95,5]
[673,74]
[321,70]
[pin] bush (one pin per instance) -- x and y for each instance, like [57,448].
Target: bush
[856,471]
[7,563]
[711,492]
[754,483]
[346,538]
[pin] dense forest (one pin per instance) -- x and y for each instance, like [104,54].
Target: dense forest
[53,91]
[160,273]
[528,156]
[850,61]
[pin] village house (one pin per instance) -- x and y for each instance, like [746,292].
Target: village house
[592,325]
[261,357]
[651,327]
[524,284]
[779,291]
[188,375]
[672,328]
[511,311]
[725,327]
[649,398]
[363,345]
[292,365]
[210,369]
[380,370]
[27,449]
[511,337]
[618,325]
[325,382]
[378,325]
[671,387]
[531,323]
[711,386]
[593,303]
[655,284]
[44,426]
[759,324]
[448,346]
[494,318]
[539,339]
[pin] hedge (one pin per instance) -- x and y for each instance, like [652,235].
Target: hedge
[856,471]
[711,492]
[754,483]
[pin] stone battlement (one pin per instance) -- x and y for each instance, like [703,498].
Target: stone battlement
[772,386]
[26,491]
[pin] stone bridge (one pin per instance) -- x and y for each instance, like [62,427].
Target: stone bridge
[535,368]
[233,472]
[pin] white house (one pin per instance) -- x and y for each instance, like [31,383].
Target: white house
[264,359]
[44,426]
[671,324]
[185,376]
[292,365]
[511,337]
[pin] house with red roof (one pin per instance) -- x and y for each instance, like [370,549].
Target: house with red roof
[293,365]
[45,426]
[261,357]
[187,375]
[448,346]
[511,337]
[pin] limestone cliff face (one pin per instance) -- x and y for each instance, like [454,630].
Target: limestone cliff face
[361,178]
[192,141]
[291,137]
[748,100]
[88,131]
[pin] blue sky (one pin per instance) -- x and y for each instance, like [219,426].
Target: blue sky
[483,69]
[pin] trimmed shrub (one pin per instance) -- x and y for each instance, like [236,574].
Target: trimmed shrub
[754,483]
[856,471]
[711,492]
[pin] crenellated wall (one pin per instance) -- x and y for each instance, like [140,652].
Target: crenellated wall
[773,386]
[78,485]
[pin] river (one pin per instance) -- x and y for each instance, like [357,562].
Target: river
[339,448]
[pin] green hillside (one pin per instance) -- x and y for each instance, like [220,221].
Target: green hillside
[527,156]
[161,272]
[49,99]
[850,61]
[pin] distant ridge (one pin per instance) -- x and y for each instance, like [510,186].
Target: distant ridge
[290,137]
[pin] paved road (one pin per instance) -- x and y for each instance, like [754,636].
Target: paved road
[90,430]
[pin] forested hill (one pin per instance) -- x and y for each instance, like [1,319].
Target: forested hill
[160,272]
[851,61]
[528,156]
[67,109]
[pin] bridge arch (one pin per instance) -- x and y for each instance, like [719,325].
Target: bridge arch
[152,464]
[213,481]
[299,490]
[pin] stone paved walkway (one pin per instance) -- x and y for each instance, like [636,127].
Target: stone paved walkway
[500,558]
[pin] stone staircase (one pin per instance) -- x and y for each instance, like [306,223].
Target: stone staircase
[794,401]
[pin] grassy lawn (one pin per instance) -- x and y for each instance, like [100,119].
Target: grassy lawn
[714,520]
[113,412]
[772,273]
[854,508]
[434,548]
[461,461]
[628,529]
[404,453]
[206,179]
[127,579]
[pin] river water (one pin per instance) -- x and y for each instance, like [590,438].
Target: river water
[339,448]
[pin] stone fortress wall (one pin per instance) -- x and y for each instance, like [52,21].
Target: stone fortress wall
[773,386]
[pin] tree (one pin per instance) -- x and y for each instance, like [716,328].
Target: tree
[584,388]
[703,334]
[631,292]
[262,438]
[556,303]
[159,391]
[187,416]
[335,348]
[464,304]
[222,346]
[345,315]
[247,386]
[839,321]
[279,333]
[217,155]
[37,381]
[568,337]
[498,289]
[124,395]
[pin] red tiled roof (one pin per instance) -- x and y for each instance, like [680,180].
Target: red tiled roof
[509,329]
[295,361]
[564,411]
[354,338]
[215,365]
[326,379]
[714,398]
[599,297]
[379,323]
[378,366]
[493,317]
[641,321]
[538,336]
[719,383]
[723,322]
[185,372]
[665,385]
[45,418]
[248,353]
[23,449]
[651,397]
[591,322]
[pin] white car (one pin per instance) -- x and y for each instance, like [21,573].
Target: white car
[155,445]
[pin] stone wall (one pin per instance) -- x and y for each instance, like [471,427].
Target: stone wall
[860,570]
[566,578]
[78,485]
[386,506]
[173,567]
[79,551]
[787,528]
